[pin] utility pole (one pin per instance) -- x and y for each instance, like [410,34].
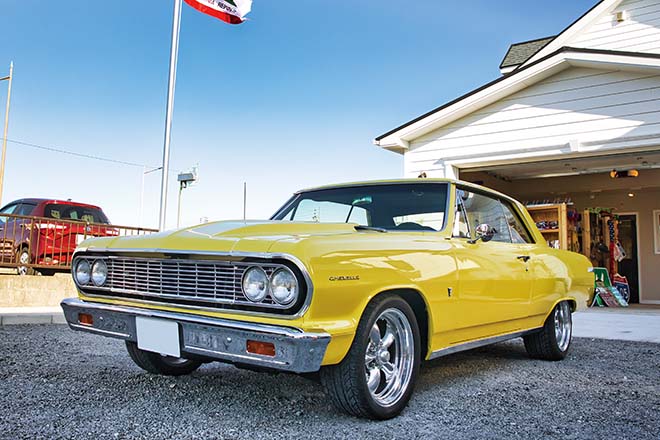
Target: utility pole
[4,137]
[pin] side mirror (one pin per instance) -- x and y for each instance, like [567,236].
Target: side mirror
[484,232]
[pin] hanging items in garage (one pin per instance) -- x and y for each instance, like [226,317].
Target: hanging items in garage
[598,235]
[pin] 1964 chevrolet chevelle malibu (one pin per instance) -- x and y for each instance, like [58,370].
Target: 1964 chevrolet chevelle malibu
[359,281]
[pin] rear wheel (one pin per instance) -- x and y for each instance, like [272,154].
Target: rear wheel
[377,376]
[554,340]
[160,364]
[22,261]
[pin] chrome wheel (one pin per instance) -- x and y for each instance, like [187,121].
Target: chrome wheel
[563,325]
[389,358]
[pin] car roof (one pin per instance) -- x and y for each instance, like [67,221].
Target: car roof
[411,181]
[52,201]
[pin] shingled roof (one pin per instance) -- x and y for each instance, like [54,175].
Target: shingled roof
[520,52]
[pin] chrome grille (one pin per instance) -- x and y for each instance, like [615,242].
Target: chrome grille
[193,281]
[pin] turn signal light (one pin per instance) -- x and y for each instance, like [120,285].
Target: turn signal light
[262,348]
[85,319]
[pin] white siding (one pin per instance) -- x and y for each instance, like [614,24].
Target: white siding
[593,107]
[640,32]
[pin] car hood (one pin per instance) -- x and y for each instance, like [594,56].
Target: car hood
[224,236]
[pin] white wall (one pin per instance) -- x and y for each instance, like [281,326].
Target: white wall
[594,109]
[640,32]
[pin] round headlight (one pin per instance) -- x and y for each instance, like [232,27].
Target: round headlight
[284,287]
[99,273]
[83,272]
[255,284]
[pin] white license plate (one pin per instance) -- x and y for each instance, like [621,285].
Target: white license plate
[158,335]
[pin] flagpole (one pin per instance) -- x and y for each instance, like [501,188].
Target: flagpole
[174,53]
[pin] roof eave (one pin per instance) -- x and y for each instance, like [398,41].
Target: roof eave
[511,83]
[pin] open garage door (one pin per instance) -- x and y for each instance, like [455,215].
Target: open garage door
[597,194]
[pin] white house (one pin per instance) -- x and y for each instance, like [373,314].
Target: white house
[567,111]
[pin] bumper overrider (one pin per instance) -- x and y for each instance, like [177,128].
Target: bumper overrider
[212,338]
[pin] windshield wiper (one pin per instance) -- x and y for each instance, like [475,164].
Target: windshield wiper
[369,228]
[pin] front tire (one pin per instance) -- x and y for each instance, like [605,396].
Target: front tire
[159,364]
[553,342]
[376,378]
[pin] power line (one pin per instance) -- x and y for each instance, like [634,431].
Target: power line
[73,153]
[83,155]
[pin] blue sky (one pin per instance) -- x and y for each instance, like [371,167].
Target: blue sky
[290,99]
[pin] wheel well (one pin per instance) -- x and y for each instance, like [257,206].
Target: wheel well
[416,302]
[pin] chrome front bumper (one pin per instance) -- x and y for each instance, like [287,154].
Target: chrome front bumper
[213,338]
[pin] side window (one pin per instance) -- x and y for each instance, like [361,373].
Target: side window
[9,209]
[482,209]
[461,226]
[24,209]
[519,233]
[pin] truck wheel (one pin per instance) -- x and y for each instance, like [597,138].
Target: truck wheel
[554,340]
[22,259]
[159,364]
[377,376]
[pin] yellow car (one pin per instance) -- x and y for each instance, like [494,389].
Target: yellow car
[360,282]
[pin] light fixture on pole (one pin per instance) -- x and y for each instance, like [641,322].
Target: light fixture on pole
[4,137]
[185,180]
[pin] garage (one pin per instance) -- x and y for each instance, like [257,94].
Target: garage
[571,128]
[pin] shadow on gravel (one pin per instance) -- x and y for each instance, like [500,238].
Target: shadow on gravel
[457,368]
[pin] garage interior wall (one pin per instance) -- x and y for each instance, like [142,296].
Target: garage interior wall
[599,190]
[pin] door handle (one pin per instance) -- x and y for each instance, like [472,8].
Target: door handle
[524,258]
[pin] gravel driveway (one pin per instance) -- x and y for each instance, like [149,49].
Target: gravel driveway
[57,383]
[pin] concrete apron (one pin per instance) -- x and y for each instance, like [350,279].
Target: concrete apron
[635,323]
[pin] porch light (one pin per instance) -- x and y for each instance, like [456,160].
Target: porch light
[614,174]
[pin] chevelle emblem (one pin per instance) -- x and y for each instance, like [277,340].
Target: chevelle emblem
[345,278]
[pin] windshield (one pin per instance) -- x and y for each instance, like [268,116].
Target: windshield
[73,212]
[403,207]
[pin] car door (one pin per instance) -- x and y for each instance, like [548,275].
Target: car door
[494,282]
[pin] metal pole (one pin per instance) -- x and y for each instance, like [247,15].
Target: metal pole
[144,172]
[4,137]
[244,198]
[174,53]
[178,209]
